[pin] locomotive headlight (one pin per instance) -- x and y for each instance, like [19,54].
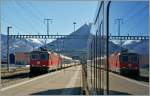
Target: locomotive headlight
[136,68]
[44,65]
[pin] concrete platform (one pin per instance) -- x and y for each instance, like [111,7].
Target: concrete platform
[66,82]
[124,86]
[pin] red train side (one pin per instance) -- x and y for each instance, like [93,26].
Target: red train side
[44,61]
[124,63]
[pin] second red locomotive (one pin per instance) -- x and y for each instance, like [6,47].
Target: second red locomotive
[124,63]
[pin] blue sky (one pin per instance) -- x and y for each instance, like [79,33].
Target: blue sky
[27,16]
[134,15]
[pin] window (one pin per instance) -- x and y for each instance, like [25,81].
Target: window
[134,59]
[124,58]
[44,56]
[34,56]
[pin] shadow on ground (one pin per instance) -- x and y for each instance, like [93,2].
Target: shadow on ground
[112,92]
[19,75]
[63,91]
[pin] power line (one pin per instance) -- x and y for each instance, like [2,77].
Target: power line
[39,16]
[33,27]
[134,16]
[131,28]
[137,13]
[15,26]
[130,16]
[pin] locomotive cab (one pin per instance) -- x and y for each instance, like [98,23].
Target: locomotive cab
[129,63]
[39,61]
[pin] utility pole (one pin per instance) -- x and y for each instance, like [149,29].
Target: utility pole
[74,23]
[8,30]
[119,21]
[47,22]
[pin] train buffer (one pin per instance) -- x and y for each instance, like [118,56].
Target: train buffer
[61,82]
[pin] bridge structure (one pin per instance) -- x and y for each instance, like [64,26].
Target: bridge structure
[78,37]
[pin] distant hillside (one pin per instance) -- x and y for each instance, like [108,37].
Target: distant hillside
[19,45]
[72,44]
[137,46]
[72,47]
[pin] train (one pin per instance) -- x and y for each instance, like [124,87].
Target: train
[22,58]
[100,61]
[45,61]
[124,63]
[96,70]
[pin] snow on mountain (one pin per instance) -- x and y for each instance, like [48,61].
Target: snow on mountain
[36,41]
[113,47]
[19,45]
[130,42]
[72,44]
[137,46]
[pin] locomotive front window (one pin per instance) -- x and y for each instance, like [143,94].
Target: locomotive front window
[134,59]
[44,56]
[34,56]
[124,58]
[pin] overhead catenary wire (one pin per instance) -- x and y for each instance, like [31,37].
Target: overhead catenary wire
[25,17]
[132,28]
[133,17]
[14,26]
[35,11]
[137,17]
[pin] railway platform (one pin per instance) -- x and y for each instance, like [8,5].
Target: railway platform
[125,86]
[62,82]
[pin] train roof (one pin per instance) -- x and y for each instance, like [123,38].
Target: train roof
[124,53]
[65,57]
[129,53]
[50,52]
[21,53]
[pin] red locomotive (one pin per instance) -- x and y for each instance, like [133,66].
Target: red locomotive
[124,63]
[45,60]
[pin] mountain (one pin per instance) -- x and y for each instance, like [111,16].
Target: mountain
[76,48]
[72,45]
[113,47]
[19,45]
[137,46]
